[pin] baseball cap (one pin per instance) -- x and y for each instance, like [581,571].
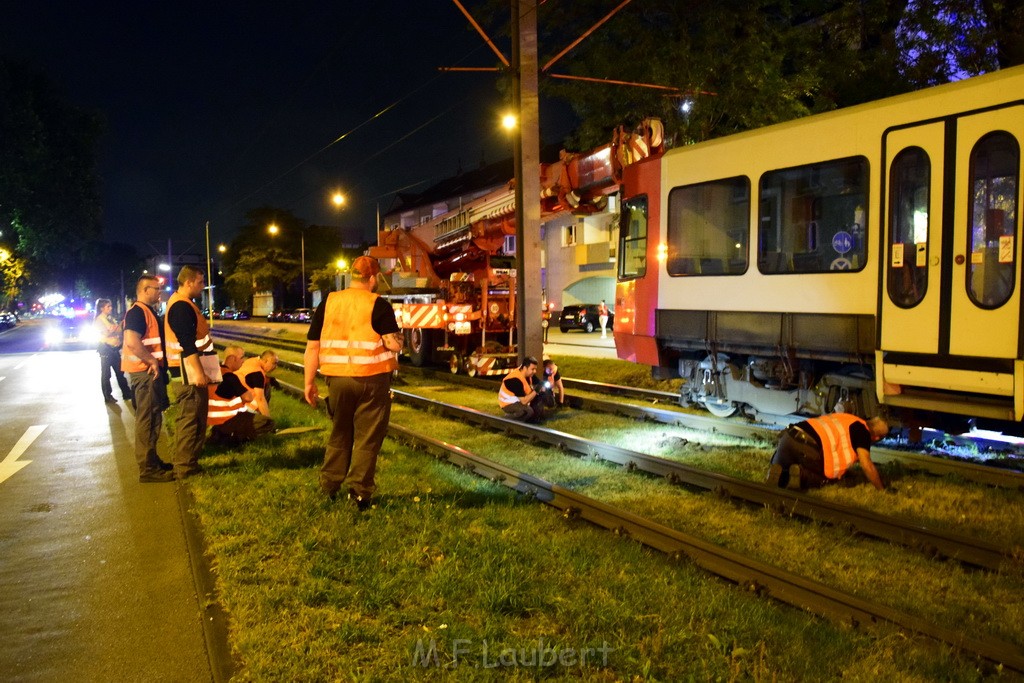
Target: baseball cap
[366,267]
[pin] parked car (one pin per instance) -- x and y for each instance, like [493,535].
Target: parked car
[582,317]
[227,314]
[300,315]
[280,316]
[242,315]
[7,320]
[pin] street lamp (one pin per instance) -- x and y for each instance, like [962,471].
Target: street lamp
[273,230]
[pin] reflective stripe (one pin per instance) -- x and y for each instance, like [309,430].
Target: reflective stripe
[506,397]
[356,360]
[349,344]
[204,344]
[838,452]
[151,340]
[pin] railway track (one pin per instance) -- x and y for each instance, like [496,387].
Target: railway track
[938,466]
[759,577]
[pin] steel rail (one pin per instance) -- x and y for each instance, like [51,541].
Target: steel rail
[981,474]
[756,576]
[966,549]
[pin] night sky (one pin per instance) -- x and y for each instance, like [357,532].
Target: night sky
[213,109]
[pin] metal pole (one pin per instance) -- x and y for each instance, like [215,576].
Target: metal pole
[209,276]
[527,165]
[302,237]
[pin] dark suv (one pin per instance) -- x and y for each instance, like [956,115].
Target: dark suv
[582,317]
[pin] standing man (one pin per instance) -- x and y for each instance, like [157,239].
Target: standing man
[516,396]
[188,344]
[352,340]
[142,357]
[602,316]
[815,451]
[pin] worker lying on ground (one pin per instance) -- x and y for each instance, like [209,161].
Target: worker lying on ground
[820,449]
[516,396]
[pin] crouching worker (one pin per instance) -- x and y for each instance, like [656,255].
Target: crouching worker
[820,449]
[238,408]
[551,384]
[516,396]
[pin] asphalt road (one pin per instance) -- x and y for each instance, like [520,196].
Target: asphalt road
[96,582]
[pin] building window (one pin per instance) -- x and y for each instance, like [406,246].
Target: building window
[708,228]
[813,218]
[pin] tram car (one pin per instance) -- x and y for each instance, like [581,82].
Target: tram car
[866,260]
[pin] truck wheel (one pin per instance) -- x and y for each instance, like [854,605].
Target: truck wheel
[419,346]
[454,363]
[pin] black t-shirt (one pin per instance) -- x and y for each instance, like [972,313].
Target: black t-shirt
[254,379]
[382,319]
[516,386]
[231,386]
[182,319]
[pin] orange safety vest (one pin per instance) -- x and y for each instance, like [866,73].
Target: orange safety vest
[221,409]
[151,340]
[349,346]
[204,343]
[249,366]
[506,397]
[837,449]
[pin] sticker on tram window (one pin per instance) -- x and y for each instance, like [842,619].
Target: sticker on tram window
[977,258]
[897,255]
[1006,248]
[922,254]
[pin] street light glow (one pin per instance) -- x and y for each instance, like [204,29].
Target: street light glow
[273,229]
[222,248]
[509,122]
[339,199]
[341,263]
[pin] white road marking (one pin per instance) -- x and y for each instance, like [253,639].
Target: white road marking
[10,464]
[22,363]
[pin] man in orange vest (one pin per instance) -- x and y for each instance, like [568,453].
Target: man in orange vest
[226,403]
[353,338]
[516,396]
[142,359]
[192,360]
[815,451]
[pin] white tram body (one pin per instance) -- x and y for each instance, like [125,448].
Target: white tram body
[863,258]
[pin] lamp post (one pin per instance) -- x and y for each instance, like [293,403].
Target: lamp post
[273,230]
[209,277]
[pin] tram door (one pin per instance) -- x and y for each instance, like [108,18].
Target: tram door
[951,259]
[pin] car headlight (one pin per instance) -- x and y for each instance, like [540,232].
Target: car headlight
[53,336]
[90,334]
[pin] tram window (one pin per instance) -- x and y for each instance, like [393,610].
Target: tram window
[812,218]
[909,181]
[708,225]
[633,238]
[992,230]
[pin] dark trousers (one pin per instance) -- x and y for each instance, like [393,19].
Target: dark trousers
[192,404]
[241,428]
[110,362]
[795,448]
[521,412]
[150,403]
[359,408]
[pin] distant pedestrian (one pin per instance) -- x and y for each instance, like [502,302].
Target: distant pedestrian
[602,316]
[191,360]
[109,348]
[517,398]
[822,449]
[142,357]
[353,338]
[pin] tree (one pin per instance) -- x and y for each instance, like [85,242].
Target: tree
[48,184]
[258,269]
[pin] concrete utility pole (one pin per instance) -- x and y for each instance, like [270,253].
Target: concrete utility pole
[527,163]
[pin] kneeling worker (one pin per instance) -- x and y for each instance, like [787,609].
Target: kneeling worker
[516,396]
[820,449]
[238,408]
